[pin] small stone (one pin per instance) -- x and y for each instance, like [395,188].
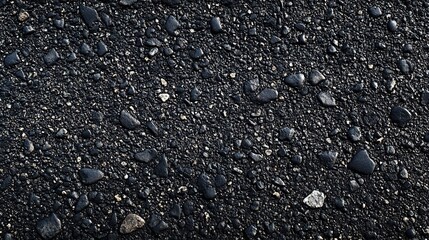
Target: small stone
[171,25]
[146,156]
[328,158]
[127,2]
[161,170]
[28,30]
[59,23]
[205,186]
[89,15]
[251,86]
[407,48]
[295,80]
[61,133]
[195,94]
[101,48]
[197,53]
[12,59]
[153,42]
[411,233]
[392,25]
[153,128]
[156,224]
[176,211]
[326,99]
[405,66]
[354,134]
[216,25]
[256,157]
[315,200]
[128,121]
[286,134]
[82,203]
[267,95]
[354,185]
[296,159]
[51,57]
[400,115]
[251,231]
[278,181]
[107,21]
[28,146]
[339,203]
[164,97]
[49,227]
[390,150]
[374,12]
[315,77]
[85,49]
[425,98]
[403,173]
[362,163]
[23,16]
[90,176]
[131,223]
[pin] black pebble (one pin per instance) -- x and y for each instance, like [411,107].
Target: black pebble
[216,25]
[400,115]
[267,95]
[82,203]
[392,25]
[362,163]
[405,66]
[128,121]
[146,156]
[286,134]
[328,158]
[171,25]
[90,176]
[89,15]
[51,57]
[295,80]
[251,231]
[101,48]
[161,170]
[374,12]
[49,227]
[12,59]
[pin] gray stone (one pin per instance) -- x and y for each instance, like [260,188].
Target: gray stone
[316,199]
[49,227]
[131,223]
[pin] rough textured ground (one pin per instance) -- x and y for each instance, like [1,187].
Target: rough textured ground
[169,119]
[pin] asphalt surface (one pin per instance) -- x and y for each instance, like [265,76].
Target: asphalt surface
[169,119]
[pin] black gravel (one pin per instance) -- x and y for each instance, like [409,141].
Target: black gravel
[229,119]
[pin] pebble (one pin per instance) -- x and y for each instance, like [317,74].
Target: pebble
[251,85]
[374,12]
[295,80]
[61,133]
[82,203]
[316,199]
[156,224]
[28,29]
[171,25]
[101,48]
[403,173]
[197,53]
[256,157]
[392,25]
[89,15]
[354,134]
[426,137]
[23,16]
[49,227]
[267,95]
[90,176]
[251,231]
[407,48]
[51,57]
[216,25]
[146,156]
[85,49]
[153,42]
[161,170]
[400,115]
[390,150]
[153,128]
[128,121]
[59,23]
[315,77]
[328,158]
[127,2]
[131,223]
[164,97]
[296,159]
[354,185]
[286,134]
[176,211]
[12,59]
[411,233]
[362,163]
[195,94]
[205,186]
[405,66]
[28,146]
[326,99]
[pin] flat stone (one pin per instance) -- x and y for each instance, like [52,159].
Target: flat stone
[49,227]
[127,2]
[267,95]
[89,15]
[51,57]
[12,59]
[286,134]
[374,12]
[90,176]
[315,77]
[326,99]
[354,134]
[128,121]
[316,199]
[101,48]
[400,116]
[131,223]
[328,158]
[146,156]
[171,25]
[405,66]
[362,163]
[295,80]
[216,25]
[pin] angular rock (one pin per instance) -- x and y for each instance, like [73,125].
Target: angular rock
[89,15]
[216,25]
[251,231]
[28,146]
[90,176]
[205,186]
[326,99]
[354,134]
[12,59]
[131,223]
[328,158]
[286,134]
[161,170]
[251,85]
[315,77]
[362,163]
[146,156]
[156,224]
[267,95]
[128,121]
[176,211]
[171,25]
[295,80]
[51,57]
[316,199]
[374,12]
[101,48]
[81,203]
[49,227]
[195,94]
[400,115]
[405,66]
